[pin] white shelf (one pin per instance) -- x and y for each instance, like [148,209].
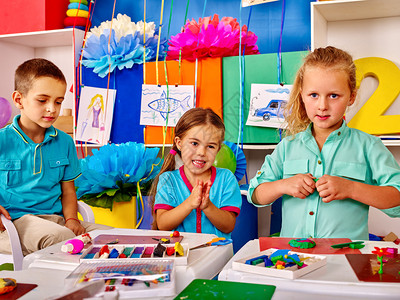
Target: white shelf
[41,39]
[357,9]
[61,46]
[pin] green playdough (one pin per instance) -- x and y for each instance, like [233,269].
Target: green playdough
[302,243]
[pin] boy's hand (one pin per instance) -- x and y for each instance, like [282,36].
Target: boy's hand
[76,227]
[205,200]
[333,188]
[299,186]
[4,212]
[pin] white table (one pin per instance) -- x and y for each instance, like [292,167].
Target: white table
[49,267]
[333,281]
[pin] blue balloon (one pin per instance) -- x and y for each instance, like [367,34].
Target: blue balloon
[5,111]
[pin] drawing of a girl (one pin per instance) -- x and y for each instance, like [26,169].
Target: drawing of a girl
[96,110]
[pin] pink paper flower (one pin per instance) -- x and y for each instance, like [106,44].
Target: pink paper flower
[211,38]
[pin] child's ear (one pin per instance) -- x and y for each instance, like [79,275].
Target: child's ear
[352,98]
[17,96]
[178,142]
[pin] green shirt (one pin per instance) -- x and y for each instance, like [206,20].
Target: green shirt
[348,153]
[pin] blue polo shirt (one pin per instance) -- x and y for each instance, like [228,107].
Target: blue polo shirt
[348,153]
[173,188]
[30,173]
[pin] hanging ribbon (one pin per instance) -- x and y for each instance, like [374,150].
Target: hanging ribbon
[180,49]
[241,80]
[196,65]
[280,55]
[280,44]
[159,38]
[78,71]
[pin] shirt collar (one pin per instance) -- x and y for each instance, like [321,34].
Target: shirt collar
[186,180]
[50,133]
[334,135]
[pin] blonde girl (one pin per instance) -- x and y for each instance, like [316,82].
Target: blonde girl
[326,173]
[196,197]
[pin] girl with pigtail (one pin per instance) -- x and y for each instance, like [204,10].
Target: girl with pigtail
[196,196]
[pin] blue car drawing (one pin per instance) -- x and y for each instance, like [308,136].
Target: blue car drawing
[273,109]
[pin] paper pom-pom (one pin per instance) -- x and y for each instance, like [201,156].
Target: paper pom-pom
[123,48]
[112,173]
[211,38]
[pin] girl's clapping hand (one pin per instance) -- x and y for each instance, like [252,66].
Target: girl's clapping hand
[196,196]
[205,201]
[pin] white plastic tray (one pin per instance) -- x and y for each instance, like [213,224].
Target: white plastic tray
[313,262]
[179,260]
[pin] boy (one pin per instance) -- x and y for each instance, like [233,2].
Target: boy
[38,163]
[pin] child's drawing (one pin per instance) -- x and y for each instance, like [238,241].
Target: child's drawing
[267,105]
[95,115]
[157,107]
[255,2]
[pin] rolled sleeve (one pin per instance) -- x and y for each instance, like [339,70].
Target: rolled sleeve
[271,170]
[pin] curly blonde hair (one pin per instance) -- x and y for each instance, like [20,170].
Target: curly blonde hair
[329,57]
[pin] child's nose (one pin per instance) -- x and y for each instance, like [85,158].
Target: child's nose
[323,103]
[50,108]
[201,150]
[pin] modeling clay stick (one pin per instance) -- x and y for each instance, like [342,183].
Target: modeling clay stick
[159,250]
[126,253]
[92,253]
[257,261]
[147,252]
[114,253]
[137,252]
[344,245]
[248,262]
[104,252]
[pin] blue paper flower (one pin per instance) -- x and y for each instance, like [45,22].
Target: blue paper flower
[104,53]
[113,172]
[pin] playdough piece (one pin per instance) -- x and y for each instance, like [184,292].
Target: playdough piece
[179,248]
[7,285]
[159,250]
[302,243]
[170,251]
[175,234]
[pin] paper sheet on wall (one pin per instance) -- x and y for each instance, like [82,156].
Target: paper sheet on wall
[95,115]
[267,103]
[246,3]
[156,106]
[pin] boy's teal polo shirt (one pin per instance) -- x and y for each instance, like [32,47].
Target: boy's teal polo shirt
[31,174]
[348,153]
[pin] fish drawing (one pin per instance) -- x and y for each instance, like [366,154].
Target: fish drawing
[166,105]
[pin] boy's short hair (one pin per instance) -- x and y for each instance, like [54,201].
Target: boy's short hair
[32,69]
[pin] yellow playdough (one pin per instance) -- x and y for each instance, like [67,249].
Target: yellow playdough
[7,285]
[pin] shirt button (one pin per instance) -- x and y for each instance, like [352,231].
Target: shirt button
[8,165]
[339,133]
[57,162]
[311,213]
[319,162]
